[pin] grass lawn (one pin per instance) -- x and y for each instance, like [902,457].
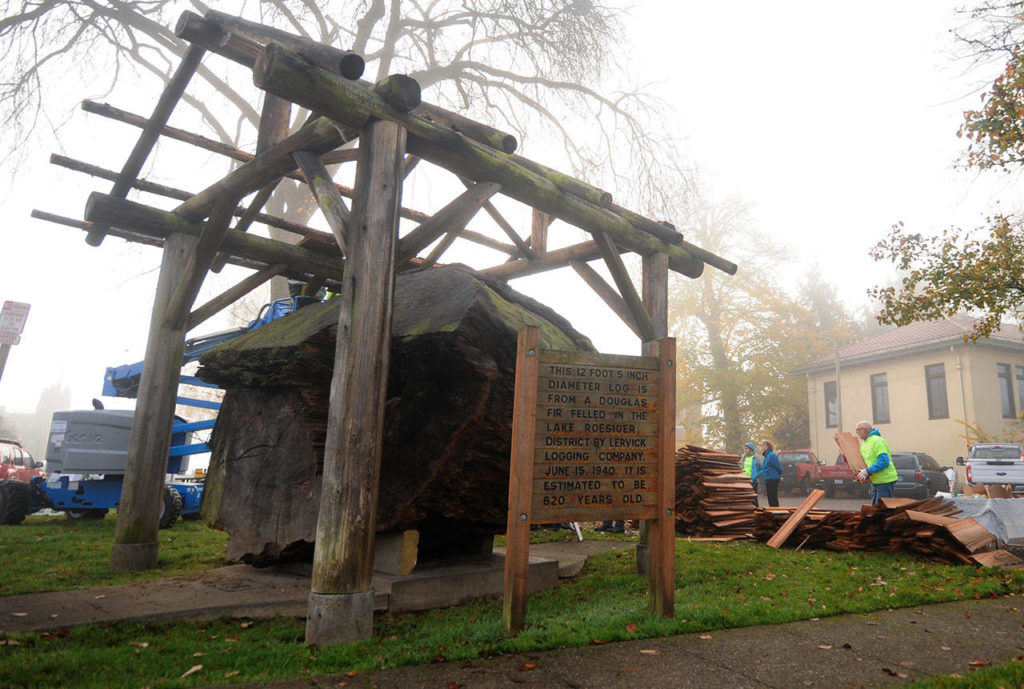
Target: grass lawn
[718,585]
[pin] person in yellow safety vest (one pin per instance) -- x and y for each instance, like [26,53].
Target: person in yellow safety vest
[750,467]
[880,470]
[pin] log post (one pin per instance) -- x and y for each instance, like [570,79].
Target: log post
[341,597]
[138,516]
[654,292]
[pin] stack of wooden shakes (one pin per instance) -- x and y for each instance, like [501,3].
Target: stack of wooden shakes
[924,527]
[713,496]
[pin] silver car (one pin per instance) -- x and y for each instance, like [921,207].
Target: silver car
[996,463]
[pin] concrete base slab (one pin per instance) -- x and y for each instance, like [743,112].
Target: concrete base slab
[247,592]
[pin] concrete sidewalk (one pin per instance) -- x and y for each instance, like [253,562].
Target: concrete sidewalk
[876,649]
[244,591]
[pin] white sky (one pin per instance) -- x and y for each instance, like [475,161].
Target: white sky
[834,120]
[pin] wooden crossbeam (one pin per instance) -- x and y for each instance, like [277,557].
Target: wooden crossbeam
[199,262]
[327,196]
[625,284]
[607,294]
[504,224]
[233,294]
[455,215]
[151,132]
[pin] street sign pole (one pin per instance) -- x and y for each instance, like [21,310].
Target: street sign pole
[5,349]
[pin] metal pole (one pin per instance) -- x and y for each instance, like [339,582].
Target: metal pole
[5,349]
[839,394]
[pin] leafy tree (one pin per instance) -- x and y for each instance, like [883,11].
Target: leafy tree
[513,63]
[738,337]
[979,271]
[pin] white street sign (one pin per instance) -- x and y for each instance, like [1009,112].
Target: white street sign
[12,321]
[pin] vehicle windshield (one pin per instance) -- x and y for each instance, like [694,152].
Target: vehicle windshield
[995,452]
[904,461]
[798,457]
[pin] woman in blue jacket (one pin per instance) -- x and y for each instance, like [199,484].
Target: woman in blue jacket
[771,472]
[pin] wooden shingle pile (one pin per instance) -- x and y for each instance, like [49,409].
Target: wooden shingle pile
[927,528]
[713,496]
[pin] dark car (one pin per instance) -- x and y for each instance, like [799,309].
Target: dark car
[919,475]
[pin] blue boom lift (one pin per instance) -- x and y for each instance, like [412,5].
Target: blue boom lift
[87,450]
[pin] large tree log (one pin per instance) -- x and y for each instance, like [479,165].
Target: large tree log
[448,422]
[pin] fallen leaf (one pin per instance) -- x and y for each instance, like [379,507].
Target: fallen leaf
[631,627]
[902,675]
[454,685]
[946,648]
[246,625]
[978,663]
[705,636]
[140,644]
[191,671]
[599,642]
[966,614]
[230,674]
[825,647]
[649,651]
[9,642]
[20,614]
[352,673]
[99,596]
[526,667]
[198,654]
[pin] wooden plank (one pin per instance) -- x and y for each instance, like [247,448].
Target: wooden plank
[520,491]
[849,445]
[997,558]
[790,525]
[972,535]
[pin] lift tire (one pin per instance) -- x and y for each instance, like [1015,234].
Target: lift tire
[14,501]
[86,513]
[171,508]
[805,486]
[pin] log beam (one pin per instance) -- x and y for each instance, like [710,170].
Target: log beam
[327,196]
[151,132]
[607,293]
[626,289]
[341,596]
[453,216]
[318,137]
[559,258]
[154,222]
[286,74]
[233,294]
[204,253]
[539,224]
[506,227]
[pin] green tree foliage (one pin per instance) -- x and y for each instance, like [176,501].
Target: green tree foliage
[953,272]
[979,271]
[739,336]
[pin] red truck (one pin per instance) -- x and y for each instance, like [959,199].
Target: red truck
[803,471]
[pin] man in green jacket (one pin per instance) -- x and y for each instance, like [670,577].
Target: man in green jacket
[880,470]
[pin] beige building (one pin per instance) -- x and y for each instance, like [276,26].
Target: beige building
[923,387]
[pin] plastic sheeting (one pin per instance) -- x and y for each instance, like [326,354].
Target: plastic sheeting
[1004,517]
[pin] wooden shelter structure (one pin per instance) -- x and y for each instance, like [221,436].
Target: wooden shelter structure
[358,258]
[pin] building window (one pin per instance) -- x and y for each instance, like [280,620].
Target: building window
[1020,388]
[1005,377]
[879,398]
[935,382]
[831,406]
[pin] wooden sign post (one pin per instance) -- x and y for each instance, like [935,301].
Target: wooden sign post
[593,439]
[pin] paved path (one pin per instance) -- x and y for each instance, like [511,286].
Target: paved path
[871,650]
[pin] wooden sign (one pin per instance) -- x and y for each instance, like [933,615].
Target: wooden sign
[593,437]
